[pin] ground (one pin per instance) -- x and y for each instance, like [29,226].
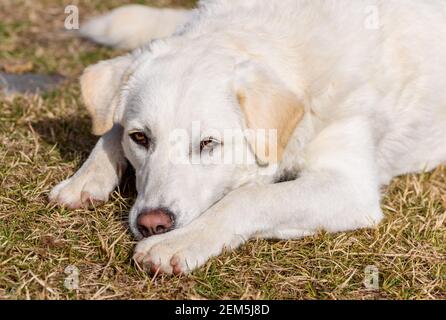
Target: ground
[45,138]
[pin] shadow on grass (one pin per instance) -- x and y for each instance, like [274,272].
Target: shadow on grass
[73,139]
[71,135]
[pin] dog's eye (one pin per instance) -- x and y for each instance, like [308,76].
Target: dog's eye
[206,143]
[140,138]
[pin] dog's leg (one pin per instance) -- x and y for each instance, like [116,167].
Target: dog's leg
[132,26]
[338,191]
[97,177]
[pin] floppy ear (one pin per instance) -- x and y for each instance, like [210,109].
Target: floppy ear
[100,85]
[267,105]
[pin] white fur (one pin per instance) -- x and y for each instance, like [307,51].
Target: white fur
[132,26]
[375,108]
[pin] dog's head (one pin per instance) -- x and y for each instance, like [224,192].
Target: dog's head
[196,126]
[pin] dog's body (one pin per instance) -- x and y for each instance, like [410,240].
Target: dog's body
[355,90]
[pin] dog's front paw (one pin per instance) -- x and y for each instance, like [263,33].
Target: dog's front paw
[179,251]
[84,189]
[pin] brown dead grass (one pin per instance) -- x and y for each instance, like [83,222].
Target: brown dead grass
[43,139]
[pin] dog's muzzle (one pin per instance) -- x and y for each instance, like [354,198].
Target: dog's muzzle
[151,222]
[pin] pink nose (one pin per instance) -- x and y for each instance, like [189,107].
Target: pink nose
[152,222]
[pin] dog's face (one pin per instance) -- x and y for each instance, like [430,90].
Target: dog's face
[184,120]
[175,120]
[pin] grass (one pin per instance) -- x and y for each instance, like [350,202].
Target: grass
[44,139]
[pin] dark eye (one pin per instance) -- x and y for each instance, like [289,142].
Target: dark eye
[140,138]
[208,142]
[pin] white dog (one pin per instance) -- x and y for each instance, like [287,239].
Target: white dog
[355,92]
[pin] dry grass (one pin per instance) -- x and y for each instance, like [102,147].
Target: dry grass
[45,138]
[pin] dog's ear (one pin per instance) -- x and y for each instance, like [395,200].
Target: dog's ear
[268,107]
[101,85]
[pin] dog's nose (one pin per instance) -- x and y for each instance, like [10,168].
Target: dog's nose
[152,222]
